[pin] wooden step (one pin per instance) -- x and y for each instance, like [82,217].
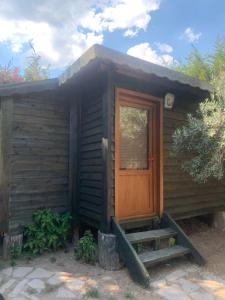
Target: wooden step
[153,257]
[150,235]
[138,223]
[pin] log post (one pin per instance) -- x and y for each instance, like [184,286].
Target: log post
[11,241]
[107,252]
[219,220]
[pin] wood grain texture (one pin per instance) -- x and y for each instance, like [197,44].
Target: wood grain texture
[183,196]
[6,116]
[91,168]
[39,157]
[138,191]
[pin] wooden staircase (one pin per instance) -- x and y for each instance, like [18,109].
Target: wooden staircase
[150,234]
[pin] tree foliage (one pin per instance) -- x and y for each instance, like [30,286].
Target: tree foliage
[205,67]
[10,74]
[34,69]
[202,140]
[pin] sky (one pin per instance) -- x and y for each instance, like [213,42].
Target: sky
[160,31]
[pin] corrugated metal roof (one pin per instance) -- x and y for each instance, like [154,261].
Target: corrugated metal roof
[101,53]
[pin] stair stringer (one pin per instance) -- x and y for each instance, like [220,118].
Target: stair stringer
[182,239]
[136,268]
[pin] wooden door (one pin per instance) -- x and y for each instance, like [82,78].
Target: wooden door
[136,155]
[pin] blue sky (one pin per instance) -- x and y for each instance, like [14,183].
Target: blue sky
[158,31]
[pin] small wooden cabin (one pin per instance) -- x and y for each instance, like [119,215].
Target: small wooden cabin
[65,143]
[98,141]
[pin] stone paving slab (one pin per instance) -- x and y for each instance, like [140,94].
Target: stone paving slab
[40,273]
[21,272]
[36,283]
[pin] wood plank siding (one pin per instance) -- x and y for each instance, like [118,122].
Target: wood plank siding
[183,197]
[91,169]
[38,157]
[6,113]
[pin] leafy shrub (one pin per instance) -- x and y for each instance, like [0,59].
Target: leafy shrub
[14,252]
[139,248]
[92,293]
[86,248]
[48,232]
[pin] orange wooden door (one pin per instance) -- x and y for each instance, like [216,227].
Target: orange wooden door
[135,155]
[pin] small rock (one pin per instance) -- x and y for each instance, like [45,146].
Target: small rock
[64,293]
[173,292]
[37,284]
[175,275]
[21,272]
[158,284]
[40,273]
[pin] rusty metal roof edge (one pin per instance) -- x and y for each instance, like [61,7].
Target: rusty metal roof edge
[120,59]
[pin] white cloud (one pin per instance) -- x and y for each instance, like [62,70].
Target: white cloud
[145,52]
[190,35]
[130,33]
[61,31]
[163,47]
[121,14]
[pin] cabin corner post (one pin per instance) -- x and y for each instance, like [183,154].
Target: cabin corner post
[108,98]
[6,126]
[5,165]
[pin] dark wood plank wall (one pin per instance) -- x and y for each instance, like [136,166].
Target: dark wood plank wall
[6,115]
[182,196]
[39,157]
[91,169]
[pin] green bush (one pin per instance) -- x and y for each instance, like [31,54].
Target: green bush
[86,248]
[14,252]
[48,232]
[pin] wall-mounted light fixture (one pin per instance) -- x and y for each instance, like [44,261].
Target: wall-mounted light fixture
[169,101]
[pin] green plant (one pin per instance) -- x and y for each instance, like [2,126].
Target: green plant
[14,254]
[129,295]
[139,247]
[48,232]
[92,293]
[172,242]
[86,248]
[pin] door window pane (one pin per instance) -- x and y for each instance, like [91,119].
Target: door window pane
[133,138]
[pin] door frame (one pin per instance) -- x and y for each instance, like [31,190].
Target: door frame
[158,172]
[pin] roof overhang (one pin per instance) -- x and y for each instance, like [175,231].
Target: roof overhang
[105,55]
[27,87]
[87,66]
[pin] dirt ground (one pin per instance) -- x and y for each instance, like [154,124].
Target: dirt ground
[117,284]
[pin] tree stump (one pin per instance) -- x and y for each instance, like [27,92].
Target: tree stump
[10,241]
[219,220]
[107,252]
